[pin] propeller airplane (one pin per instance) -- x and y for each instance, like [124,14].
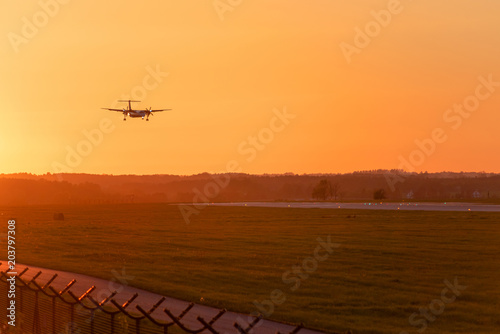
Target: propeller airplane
[135,113]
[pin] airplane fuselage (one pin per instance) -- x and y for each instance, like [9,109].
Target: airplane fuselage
[136,113]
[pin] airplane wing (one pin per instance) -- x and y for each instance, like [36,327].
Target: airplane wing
[120,110]
[156,110]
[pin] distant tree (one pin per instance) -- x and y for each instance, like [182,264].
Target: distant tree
[335,187]
[379,194]
[323,190]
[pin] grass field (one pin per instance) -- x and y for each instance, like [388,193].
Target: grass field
[388,265]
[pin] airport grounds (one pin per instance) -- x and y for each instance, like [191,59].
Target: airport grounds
[368,271]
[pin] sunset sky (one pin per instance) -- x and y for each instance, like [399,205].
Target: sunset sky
[228,68]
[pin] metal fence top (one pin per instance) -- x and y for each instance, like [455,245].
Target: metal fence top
[137,303]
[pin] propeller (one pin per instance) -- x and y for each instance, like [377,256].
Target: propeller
[148,113]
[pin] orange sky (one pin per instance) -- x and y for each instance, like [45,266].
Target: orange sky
[232,68]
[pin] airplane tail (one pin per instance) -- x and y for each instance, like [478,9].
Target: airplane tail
[129,105]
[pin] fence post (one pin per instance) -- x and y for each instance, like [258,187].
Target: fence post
[112,323]
[53,314]
[36,316]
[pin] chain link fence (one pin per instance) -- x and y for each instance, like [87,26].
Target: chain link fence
[41,309]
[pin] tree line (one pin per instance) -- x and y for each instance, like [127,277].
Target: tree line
[29,189]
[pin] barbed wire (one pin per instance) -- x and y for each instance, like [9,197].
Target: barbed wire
[43,309]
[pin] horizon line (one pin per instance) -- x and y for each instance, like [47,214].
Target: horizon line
[372,171]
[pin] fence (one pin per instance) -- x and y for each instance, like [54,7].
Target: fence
[42,309]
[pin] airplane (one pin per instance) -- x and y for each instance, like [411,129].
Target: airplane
[135,113]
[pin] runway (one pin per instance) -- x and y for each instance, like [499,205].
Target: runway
[410,206]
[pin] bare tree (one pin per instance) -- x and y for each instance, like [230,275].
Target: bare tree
[335,190]
[379,194]
[323,190]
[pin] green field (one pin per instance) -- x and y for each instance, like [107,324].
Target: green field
[388,265]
